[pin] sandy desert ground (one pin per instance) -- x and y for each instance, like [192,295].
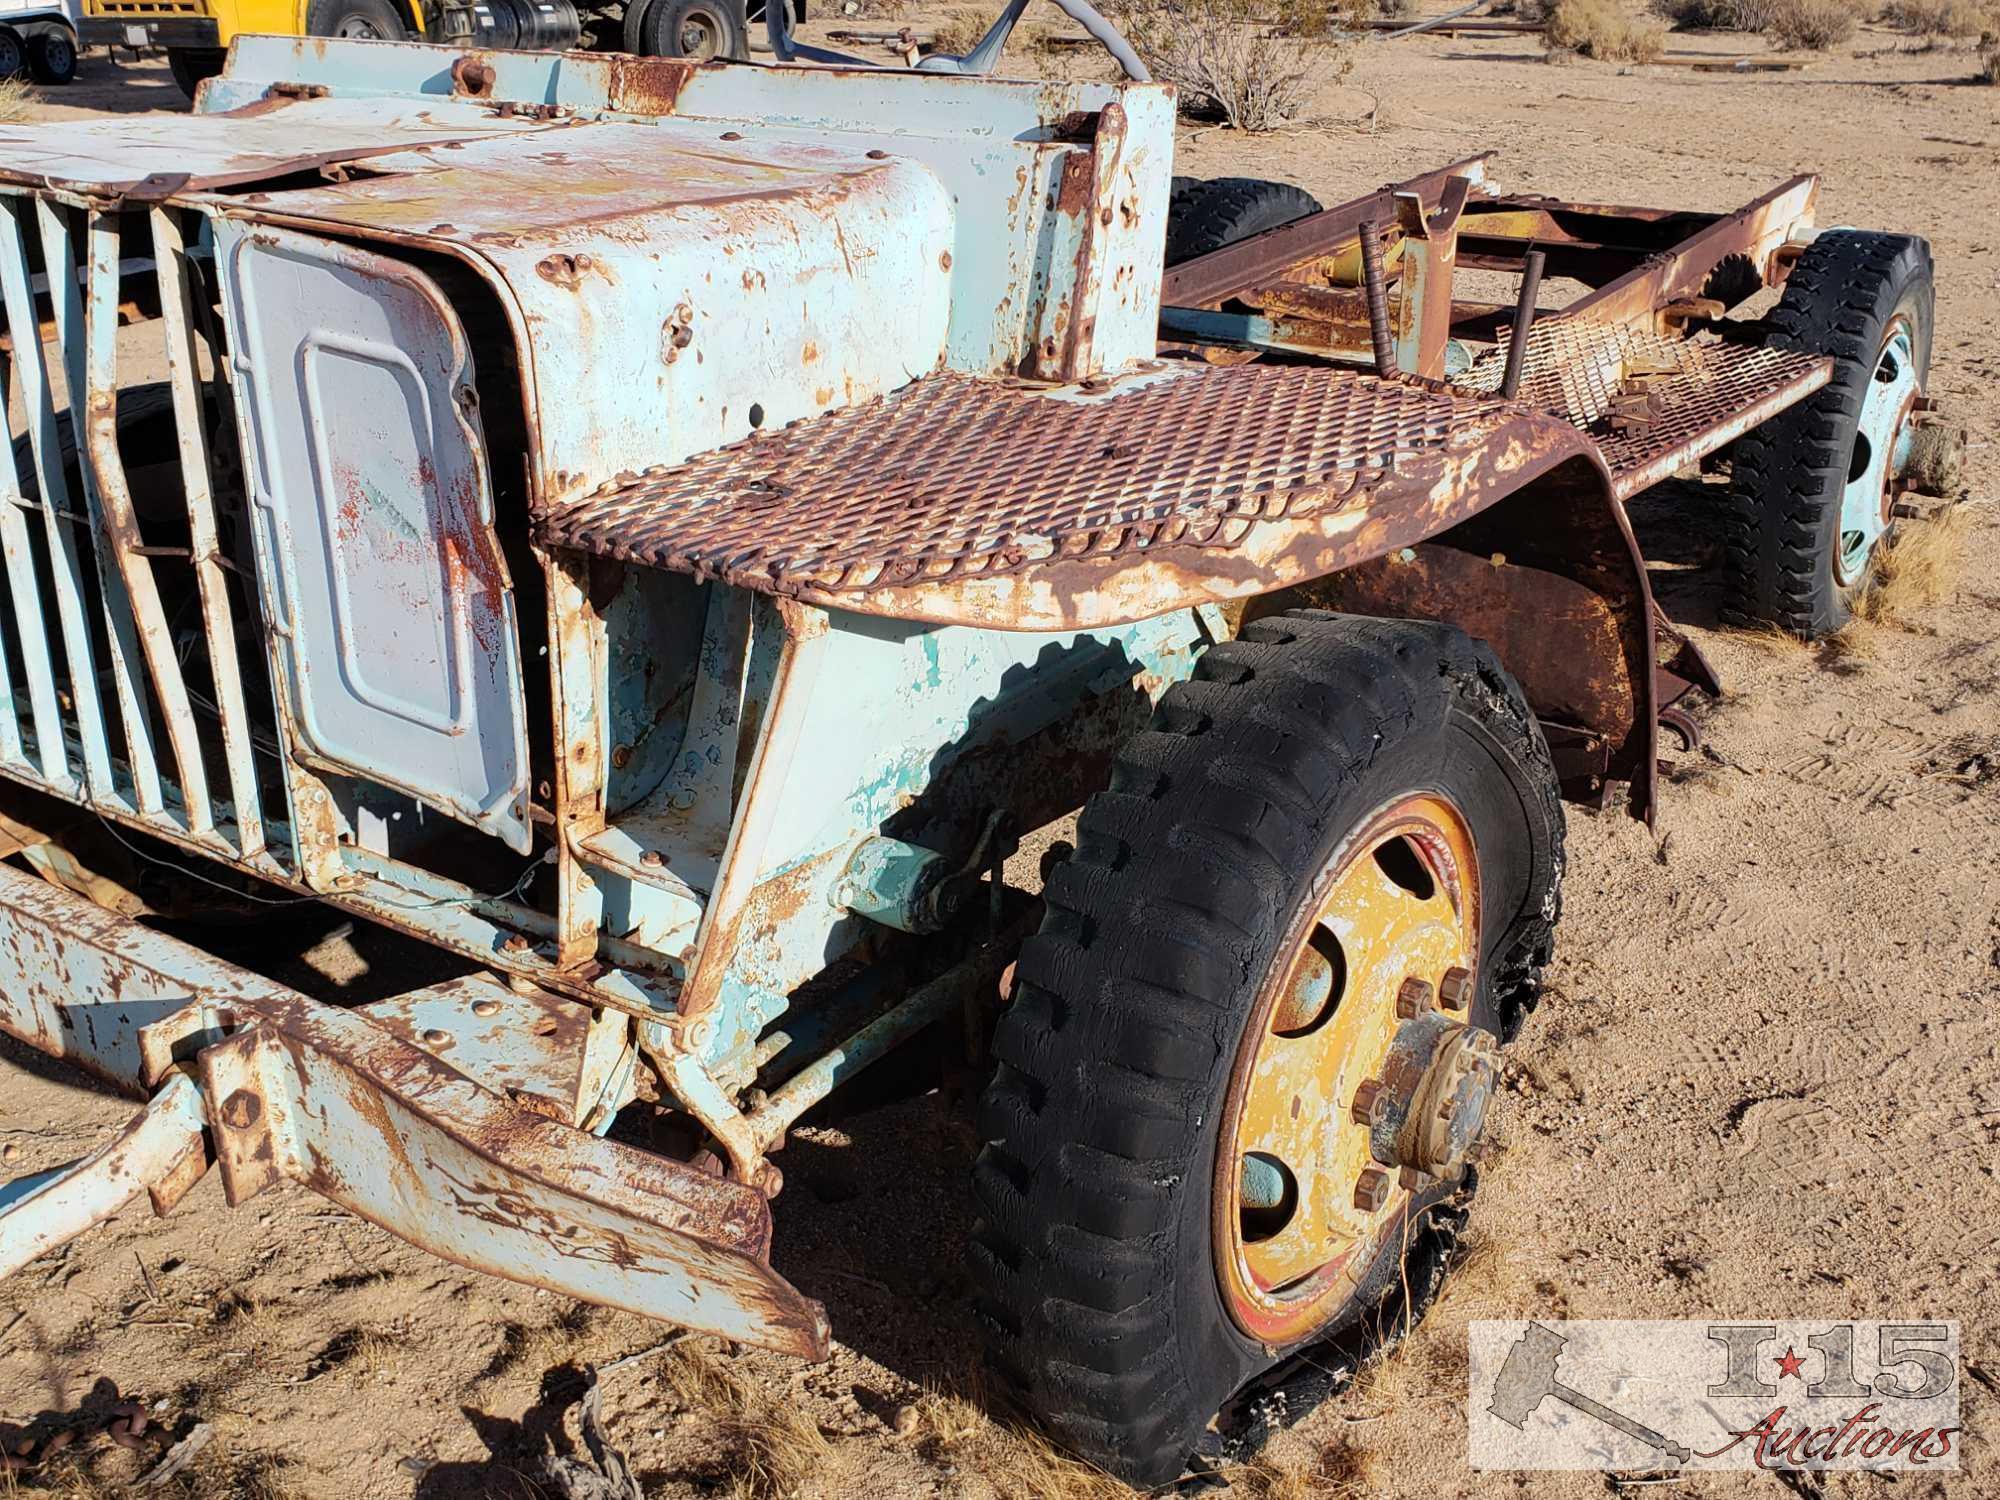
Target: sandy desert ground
[1765,1079]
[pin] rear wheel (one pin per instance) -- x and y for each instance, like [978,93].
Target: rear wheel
[1810,508]
[698,30]
[1207,216]
[13,55]
[52,57]
[355,20]
[1253,1043]
[190,65]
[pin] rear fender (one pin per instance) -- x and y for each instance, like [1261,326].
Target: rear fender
[1551,578]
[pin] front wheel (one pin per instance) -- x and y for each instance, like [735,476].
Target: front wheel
[1813,489]
[1254,1042]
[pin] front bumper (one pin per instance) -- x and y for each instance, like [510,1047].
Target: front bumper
[493,1172]
[149,31]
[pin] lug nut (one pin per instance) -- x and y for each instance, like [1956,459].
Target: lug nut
[1455,989]
[1414,998]
[1369,1102]
[652,859]
[1371,1189]
[516,944]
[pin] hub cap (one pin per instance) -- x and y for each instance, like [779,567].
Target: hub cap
[1881,453]
[1359,1080]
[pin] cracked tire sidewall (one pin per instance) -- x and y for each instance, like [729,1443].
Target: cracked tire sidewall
[1095,1253]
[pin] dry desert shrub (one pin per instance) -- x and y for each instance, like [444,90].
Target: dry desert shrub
[959,32]
[1812,25]
[17,100]
[1941,18]
[1989,58]
[1235,59]
[1714,15]
[1601,29]
[1920,568]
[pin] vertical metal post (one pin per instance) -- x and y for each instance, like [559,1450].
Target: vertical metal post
[1524,322]
[1375,285]
[118,520]
[218,622]
[31,627]
[65,567]
[60,265]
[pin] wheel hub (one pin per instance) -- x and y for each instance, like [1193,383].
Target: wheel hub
[1882,445]
[1436,1086]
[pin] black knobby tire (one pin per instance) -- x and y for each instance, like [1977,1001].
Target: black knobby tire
[669,28]
[366,20]
[52,57]
[1094,1254]
[1781,530]
[191,65]
[1207,216]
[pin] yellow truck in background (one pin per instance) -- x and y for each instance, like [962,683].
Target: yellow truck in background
[196,33]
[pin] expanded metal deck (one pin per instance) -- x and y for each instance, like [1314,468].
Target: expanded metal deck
[1652,403]
[953,476]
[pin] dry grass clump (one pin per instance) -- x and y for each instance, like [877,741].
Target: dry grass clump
[1714,15]
[17,100]
[1812,25]
[1919,569]
[1601,29]
[1238,61]
[1941,18]
[959,32]
[778,1449]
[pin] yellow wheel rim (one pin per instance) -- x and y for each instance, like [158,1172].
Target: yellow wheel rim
[1294,1225]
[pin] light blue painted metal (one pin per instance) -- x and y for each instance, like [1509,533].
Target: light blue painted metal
[389,595]
[1886,433]
[55,1207]
[170,252]
[58,518]
[60,260]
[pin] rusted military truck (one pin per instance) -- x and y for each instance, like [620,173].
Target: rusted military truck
[664,534]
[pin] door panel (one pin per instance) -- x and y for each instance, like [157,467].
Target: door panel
[393,608]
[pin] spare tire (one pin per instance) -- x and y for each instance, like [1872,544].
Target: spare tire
[1203,217]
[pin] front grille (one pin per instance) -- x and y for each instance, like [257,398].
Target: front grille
[135,679]
[144,9]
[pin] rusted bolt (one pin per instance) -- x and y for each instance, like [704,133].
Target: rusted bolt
[486,1007]
[1370,1100]
[1414,998]
[732,135]
[1455,989]
[1371,1189]
[878,154]
[437,1036]
[1104,216]
[621,757]
[944,260]
[1411,1179]
[241,1109]
[652,859]
[516,943]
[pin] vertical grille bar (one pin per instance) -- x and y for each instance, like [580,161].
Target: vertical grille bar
[59,261]
[120,534]
[65,567]
[170,258]
[30,626]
